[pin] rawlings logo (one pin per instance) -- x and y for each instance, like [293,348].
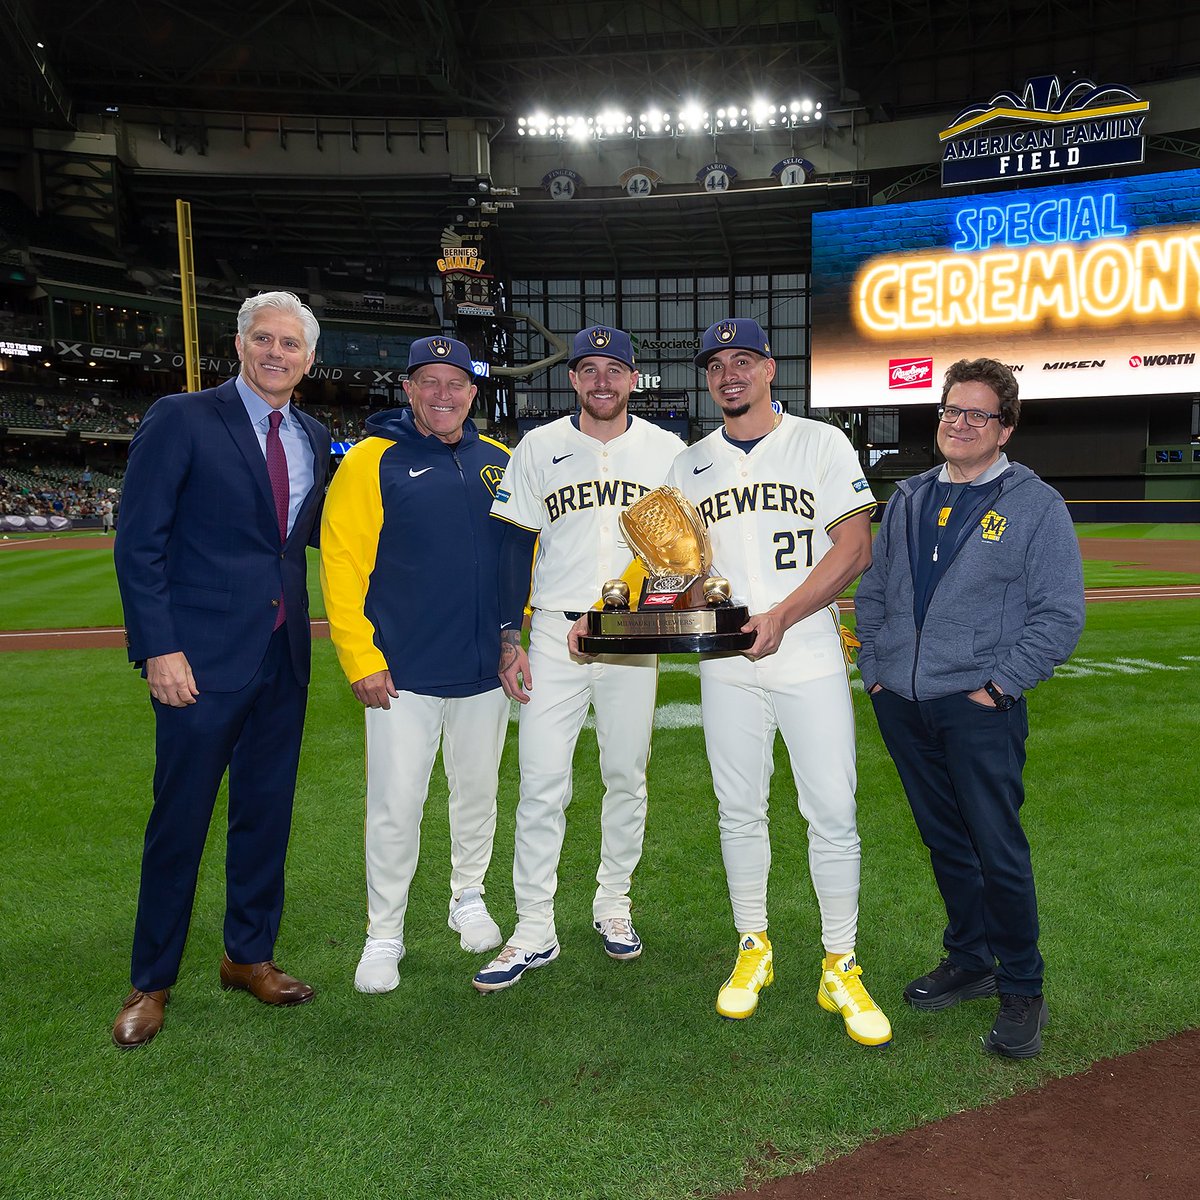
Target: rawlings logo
[910,373]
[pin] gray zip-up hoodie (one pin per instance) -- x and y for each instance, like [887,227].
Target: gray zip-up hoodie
[1009,607]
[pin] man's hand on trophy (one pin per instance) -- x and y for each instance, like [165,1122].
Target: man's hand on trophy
[578,630]
[768,630]
[514,667]
[373,691]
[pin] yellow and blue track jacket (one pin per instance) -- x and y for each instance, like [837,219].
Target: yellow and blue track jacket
[409,558]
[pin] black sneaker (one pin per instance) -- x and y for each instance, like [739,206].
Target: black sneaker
[1017,1032]
[947,985]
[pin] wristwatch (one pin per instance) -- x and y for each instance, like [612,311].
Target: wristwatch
[1002,701]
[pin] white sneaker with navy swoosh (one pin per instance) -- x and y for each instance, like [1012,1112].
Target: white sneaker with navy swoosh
[509,965]
[620,938]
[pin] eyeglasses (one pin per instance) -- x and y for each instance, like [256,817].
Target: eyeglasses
[975,416]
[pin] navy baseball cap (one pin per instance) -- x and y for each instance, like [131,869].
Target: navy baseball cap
[440,350]
[602,341]
[734,333]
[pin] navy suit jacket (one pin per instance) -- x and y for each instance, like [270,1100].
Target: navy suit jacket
[197,552]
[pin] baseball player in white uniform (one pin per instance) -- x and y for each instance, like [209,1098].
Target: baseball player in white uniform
[789,515]
[566,485]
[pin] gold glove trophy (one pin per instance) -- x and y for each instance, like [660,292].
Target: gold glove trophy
[682,608]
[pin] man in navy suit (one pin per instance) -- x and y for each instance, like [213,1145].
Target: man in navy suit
[222,494]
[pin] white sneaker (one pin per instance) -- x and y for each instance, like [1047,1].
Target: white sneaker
[509,965]
[620,938]
[470,919]
[377,970]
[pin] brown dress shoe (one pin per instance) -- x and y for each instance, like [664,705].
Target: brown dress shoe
[265,981]
[140,1018]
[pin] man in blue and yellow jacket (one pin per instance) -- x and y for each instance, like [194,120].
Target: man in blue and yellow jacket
[409,574]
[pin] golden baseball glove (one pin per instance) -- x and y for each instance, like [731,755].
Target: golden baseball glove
[665,531]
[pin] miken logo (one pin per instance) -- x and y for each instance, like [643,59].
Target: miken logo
[1083,364]
[1161,360]
[910,373]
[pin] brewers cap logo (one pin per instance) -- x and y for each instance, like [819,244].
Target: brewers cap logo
[727,331]
[440,346]
[599,337]
[491,476]
[993,525]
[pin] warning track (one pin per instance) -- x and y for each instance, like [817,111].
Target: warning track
[112,636]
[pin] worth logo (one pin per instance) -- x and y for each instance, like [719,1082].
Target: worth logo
[1161,360]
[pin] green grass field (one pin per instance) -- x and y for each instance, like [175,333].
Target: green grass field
[592,1078]
[1181,532]
[77,588]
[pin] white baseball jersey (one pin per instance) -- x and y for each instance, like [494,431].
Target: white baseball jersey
[769,513]
[570,489]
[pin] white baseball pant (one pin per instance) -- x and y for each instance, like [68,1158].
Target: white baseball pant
[743,703]
[402,744]
[622,690]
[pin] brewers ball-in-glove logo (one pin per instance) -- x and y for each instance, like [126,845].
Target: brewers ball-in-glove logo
[440,346]
[993,525]
[491,476]
[599,337]
[726,331]
[665,531]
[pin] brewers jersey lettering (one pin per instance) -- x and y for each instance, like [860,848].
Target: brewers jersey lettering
[769,513]
[570,489]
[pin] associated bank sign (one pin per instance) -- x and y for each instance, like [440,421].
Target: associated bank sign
[1045,130]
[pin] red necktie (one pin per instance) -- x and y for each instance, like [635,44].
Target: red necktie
[277,472]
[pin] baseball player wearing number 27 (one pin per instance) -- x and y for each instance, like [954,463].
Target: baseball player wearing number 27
[566,486]
[789,516]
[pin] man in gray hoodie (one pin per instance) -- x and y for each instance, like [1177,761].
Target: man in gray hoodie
[974,595]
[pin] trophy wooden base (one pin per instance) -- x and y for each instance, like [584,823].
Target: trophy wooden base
[712,630]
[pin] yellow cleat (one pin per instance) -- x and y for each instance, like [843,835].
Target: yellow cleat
[841,991]
[738,997]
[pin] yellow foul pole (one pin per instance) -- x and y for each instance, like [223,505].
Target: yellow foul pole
[187,294]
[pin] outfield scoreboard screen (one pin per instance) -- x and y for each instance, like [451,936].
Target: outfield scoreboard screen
[1087,289]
